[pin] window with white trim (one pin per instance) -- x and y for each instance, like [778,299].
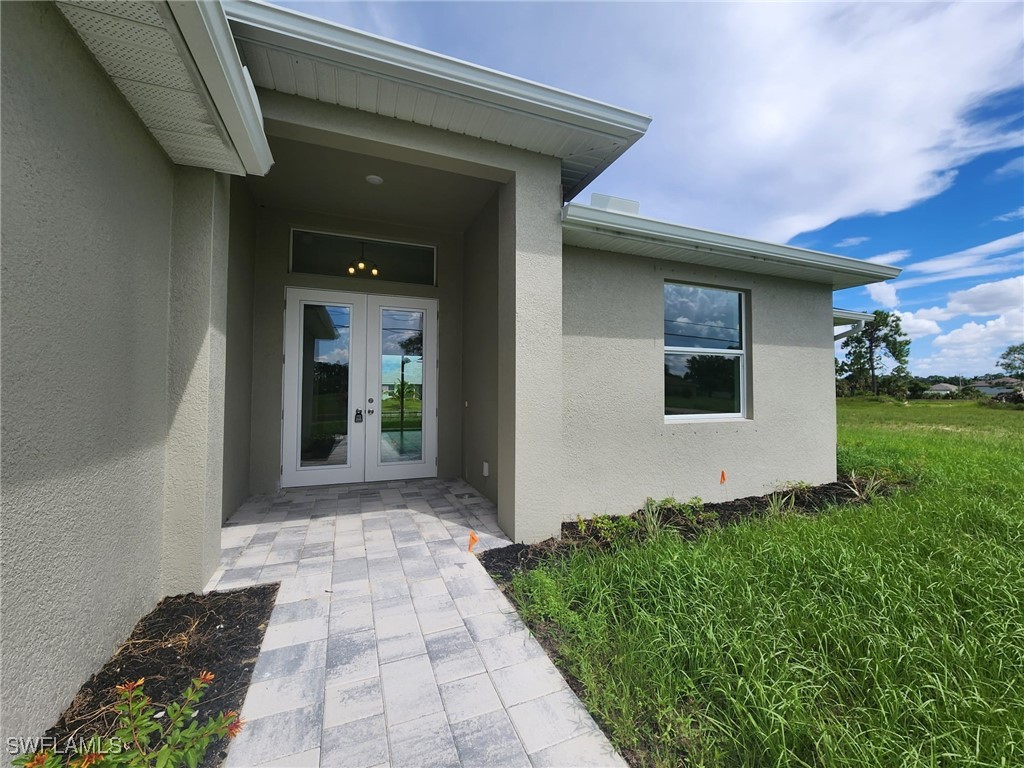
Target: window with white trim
[705,353]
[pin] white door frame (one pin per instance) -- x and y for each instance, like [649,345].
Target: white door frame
[427,466]
[364,442]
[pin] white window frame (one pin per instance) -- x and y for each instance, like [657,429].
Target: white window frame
[740,354]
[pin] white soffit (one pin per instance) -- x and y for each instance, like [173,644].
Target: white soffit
[142,48]
[301,55]
[603,230]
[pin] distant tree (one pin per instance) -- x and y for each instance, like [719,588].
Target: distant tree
[882,337]
[898,383]
[1012,361]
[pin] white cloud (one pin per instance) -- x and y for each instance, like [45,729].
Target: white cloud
[989,298]
[769,119]
[1010,168]
[850,242]
[1011,215]
[917,327]
[989,258]
[933,313]
[884,294]
[995,334]
[890,258]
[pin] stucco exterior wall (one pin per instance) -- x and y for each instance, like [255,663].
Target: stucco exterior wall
[87,199]
[238,361]
[618,448]
[271,279]
[480,352]
[195,376]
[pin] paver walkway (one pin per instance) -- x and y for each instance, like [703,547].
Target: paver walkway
[389,644]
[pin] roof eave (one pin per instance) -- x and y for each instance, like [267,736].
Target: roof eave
[205,30]
[849,316]
[842,271]
[271,24]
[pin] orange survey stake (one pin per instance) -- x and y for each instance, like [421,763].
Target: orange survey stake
[722,481]
[473,539]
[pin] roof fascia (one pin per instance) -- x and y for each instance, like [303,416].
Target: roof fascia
[584,217]
[205,30]
[849,316]
[288,29]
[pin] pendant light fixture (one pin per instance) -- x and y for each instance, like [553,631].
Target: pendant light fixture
[359,268]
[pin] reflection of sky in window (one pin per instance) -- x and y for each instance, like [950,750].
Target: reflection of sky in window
[678,365]
[701,317]
[398,327]
[336,350]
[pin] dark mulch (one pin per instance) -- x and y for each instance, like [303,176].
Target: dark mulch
[504,563]
[219,632]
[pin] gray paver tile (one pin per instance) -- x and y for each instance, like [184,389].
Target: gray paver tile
[290,660]
[453,654]
[351,701]
[351,615]
[410,690]
[506,650]
[280,694]
[424,741]
[352,656]
[485,626]
[301,610]
[436,613]
[590,749]
[428,588]
[527,680]
[549,720]
[360,744]
[310,759]
[294,632]
[304,587]
[276,736]
[490,740]
[468,697]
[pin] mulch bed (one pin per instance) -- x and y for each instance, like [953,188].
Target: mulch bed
[504,563]
[220,632]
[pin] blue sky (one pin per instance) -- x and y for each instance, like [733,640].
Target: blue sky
[893,132]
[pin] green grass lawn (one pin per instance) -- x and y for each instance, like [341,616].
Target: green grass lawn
[885,634]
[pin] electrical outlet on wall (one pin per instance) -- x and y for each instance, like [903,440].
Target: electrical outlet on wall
[487,469]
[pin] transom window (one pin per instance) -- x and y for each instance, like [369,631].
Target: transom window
[705,353]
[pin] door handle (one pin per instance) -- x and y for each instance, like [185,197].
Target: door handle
[359,416]
[369,411]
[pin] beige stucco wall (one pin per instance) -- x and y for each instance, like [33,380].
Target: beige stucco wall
[271,279]
[618,448]
[193,486]
[87,198]
[480,351]
[238,361]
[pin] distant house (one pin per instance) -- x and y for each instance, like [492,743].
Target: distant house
[991,388]
[941,390]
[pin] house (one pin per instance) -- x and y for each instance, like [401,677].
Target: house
[941,390]
[225,226]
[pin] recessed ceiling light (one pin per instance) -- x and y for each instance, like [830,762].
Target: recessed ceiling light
[373,179]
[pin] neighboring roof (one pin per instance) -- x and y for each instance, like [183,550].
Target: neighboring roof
[605,230]
[178,68]
[943,388]
[299,54]
[849,317]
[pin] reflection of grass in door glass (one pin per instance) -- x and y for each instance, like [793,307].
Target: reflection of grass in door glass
[391,414]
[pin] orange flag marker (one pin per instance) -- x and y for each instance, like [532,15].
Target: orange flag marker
[722,481]
[473,539]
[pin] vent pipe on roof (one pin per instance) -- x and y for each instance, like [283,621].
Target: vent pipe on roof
[614,204]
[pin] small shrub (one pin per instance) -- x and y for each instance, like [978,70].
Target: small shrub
[780,503]
[865,488]
[145,737]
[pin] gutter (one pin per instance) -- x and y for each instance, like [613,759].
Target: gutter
[652,231]
[204,28]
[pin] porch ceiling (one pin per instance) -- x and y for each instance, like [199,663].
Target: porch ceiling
[317,179]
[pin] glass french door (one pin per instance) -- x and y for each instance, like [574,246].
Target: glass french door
[360,388]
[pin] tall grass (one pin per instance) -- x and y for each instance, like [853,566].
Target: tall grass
[890,633]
